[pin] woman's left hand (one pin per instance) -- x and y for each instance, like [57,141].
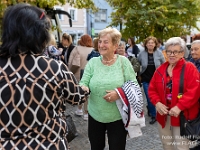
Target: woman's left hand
[111,96]
[174,111]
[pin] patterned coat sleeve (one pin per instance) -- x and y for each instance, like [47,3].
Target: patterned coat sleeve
[71,91]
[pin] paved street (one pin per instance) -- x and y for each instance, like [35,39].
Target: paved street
[149,141]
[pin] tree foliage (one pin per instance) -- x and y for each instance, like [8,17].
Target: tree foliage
[159,18]
[88,4]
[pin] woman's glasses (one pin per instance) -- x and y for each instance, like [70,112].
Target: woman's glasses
[169,52]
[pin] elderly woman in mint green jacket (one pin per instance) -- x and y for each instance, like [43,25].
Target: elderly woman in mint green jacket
[150,59]
[102,75]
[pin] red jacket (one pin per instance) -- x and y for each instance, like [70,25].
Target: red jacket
[189,101]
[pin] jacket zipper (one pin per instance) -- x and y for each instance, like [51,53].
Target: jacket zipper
[164,87]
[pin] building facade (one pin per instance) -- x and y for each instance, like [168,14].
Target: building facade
[79,22]
[100,19]
[84,21]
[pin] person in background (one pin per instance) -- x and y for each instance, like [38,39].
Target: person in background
[34,89]
[160,45]
[195,37]
[132,50]
[77,62]
[67,47]
[150,59]
[195,53]
[51,51]
[186,54]
[121,51]
[164,94]
[95,51]
[104,116]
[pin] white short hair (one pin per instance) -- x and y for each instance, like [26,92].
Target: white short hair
[122,43]
[196,42]
[176,41]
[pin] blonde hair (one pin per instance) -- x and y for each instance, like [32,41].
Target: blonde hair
[114,34]
[52,40]
[67,37]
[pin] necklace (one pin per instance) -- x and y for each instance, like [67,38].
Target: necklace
[109,61]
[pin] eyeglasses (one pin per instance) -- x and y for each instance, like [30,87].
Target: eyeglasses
[168,52]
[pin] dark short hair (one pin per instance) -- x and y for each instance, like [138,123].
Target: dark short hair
[25,30]
[160,41]
[132,40]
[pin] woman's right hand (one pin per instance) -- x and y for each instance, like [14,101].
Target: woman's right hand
[161,108]
[86,89]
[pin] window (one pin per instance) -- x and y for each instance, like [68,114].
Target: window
[101,15]
[73,14]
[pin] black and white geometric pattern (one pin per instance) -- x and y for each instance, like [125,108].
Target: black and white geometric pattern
[134,96]
[33,93]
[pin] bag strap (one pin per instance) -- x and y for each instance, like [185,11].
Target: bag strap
[181,80]
[122,68]
[181,84]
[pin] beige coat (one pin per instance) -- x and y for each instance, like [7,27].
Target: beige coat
[78,59]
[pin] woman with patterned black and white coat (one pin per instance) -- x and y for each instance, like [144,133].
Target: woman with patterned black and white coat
[34,89]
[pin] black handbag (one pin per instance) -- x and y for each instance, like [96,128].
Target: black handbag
[71,128]
[189,129]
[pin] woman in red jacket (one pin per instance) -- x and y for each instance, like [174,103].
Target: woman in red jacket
[164,90]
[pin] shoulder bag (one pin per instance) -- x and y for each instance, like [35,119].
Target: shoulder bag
[71,128]
[188,128]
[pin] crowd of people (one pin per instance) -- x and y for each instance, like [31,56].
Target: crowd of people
[38,76]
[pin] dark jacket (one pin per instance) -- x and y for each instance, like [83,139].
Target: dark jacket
[68,49]
[135,63]
[68,52]
[64,48]
[94,53]
[135,50]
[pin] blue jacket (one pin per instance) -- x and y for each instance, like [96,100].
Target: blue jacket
[196,63]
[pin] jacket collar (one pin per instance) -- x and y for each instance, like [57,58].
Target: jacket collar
[195,61]
[179,63]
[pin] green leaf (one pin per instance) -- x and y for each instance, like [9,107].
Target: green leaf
[159,18]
